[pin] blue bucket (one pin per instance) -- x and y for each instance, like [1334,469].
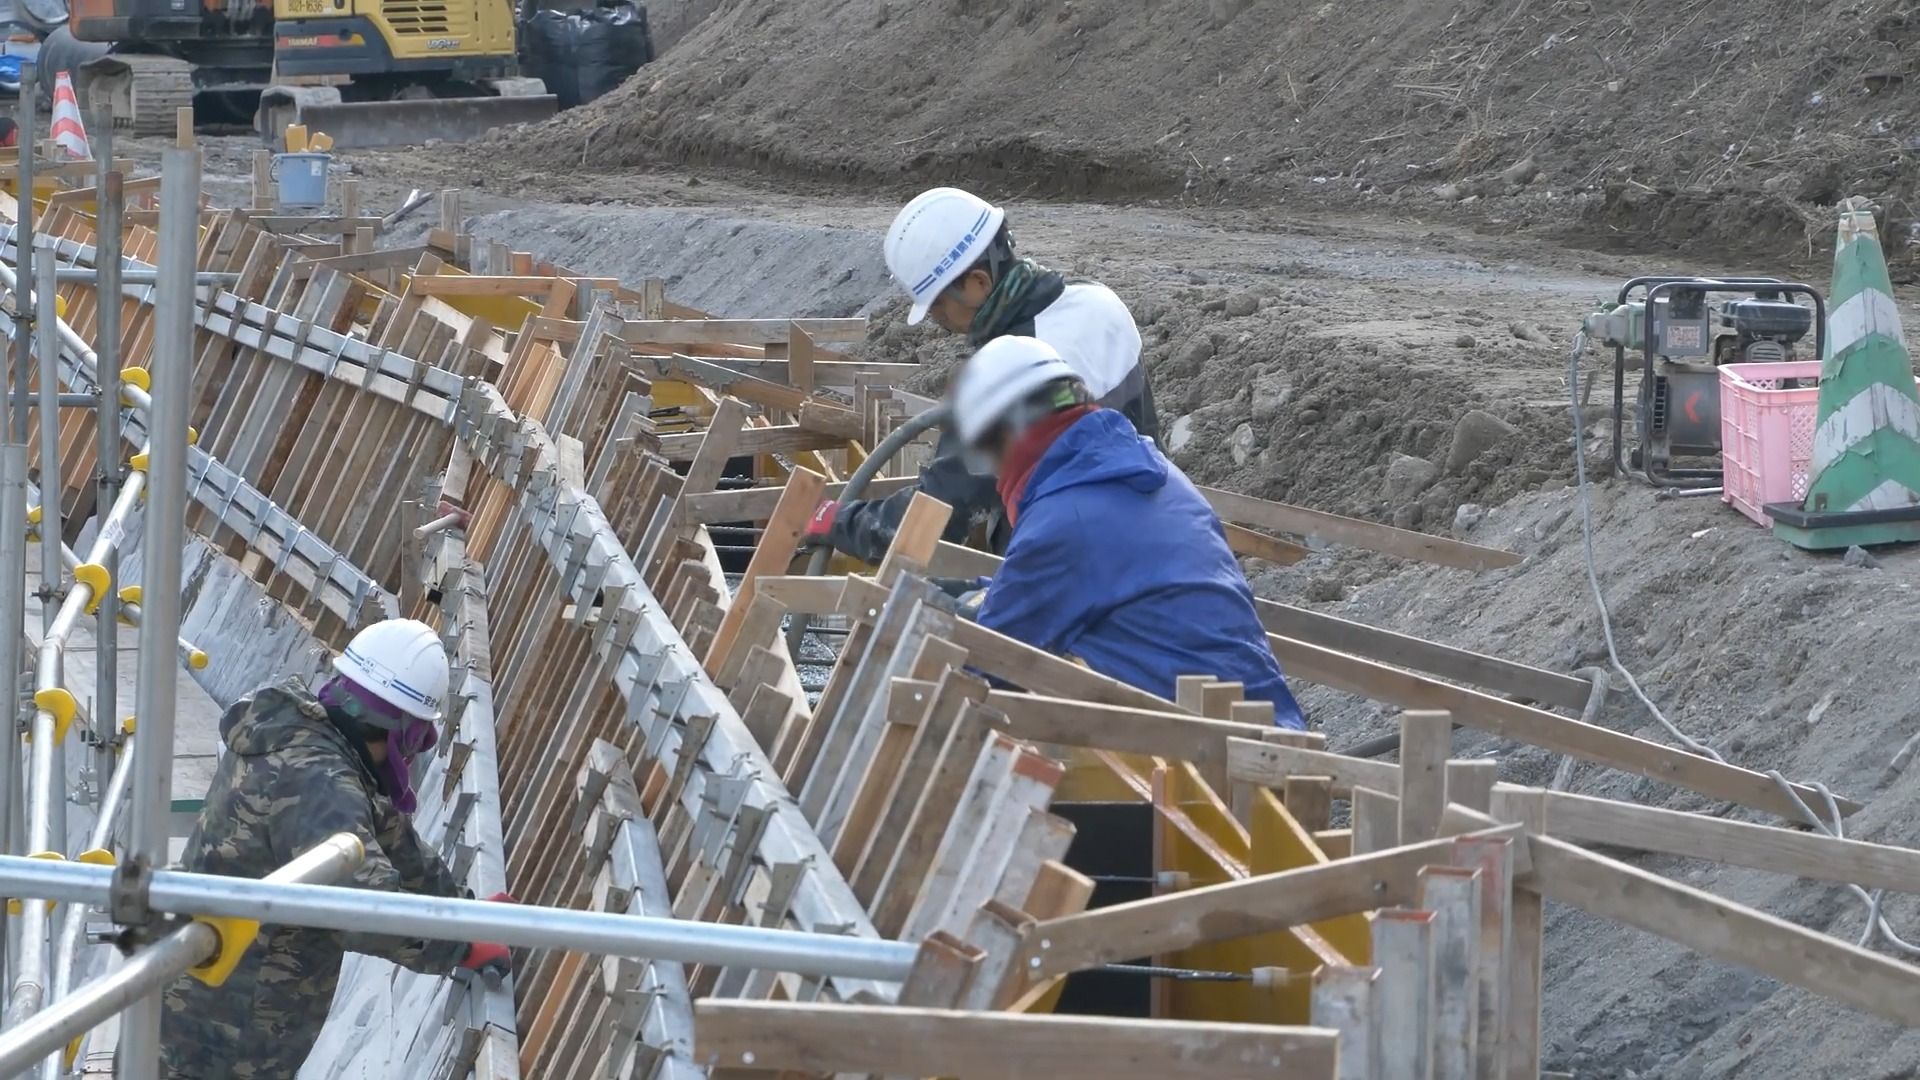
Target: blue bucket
[302,178]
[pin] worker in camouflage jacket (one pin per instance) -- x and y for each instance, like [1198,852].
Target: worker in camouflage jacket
[298,768]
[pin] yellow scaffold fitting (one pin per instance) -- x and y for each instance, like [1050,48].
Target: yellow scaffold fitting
[135,376]
[59,306]
[129,594]
[127,725]
[34,515]
[138,462]
[72,1053]
[95,577]
[13,906]
[235,935]
[59,703]
[197,659]
[98,856]
[193,435]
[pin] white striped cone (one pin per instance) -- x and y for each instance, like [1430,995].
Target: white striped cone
[1866,445]
[69,133]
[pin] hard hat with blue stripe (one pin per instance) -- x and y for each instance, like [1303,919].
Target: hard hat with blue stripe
[936,238]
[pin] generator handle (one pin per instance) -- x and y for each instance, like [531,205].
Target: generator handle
[1660,287]
[1650,280]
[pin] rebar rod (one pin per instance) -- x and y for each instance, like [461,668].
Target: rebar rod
[521,926]
[164,536]
[151,970]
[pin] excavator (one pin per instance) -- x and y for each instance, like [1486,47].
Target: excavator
[367,72]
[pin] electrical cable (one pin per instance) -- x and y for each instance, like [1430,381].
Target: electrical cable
[1833,824]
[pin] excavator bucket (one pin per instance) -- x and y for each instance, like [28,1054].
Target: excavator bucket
[144,91]
[404,122]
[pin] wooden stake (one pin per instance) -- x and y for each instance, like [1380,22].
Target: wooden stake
[1453,894]
[1426,741]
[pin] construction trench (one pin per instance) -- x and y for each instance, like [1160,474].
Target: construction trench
[639,403]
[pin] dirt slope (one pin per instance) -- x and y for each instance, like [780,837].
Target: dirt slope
[1631,116]
[1778,658]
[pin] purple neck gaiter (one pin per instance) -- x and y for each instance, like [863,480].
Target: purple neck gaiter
[406,736]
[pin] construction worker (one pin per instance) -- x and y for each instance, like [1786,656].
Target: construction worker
[298,768]
[1115,557]
[953,254]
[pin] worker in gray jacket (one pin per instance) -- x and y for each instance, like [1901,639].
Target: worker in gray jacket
[953,254]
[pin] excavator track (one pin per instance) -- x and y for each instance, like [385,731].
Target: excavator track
[145,90]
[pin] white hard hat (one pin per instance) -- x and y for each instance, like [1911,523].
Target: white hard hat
[1000,376]
[936,238]
[401,661]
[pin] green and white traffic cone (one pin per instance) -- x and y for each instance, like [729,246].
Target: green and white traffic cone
[1863,486]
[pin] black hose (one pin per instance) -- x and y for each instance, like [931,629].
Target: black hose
[908,431]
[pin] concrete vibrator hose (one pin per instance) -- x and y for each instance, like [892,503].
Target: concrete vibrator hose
[912,429]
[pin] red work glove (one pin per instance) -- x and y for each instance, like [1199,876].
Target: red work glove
[820,524]
[446,508]
[486,958]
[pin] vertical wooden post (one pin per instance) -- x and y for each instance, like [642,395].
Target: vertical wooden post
[1493,858]
[1376,821]
[1403,950]
[1452,893]
[1521,1036]
[1470,783]
[263,194]
[1310,800]
[1426,741]
[1347,999]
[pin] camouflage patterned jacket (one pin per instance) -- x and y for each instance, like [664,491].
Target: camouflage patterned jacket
[289,780]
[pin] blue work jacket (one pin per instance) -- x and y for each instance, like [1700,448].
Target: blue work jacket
[1117,559]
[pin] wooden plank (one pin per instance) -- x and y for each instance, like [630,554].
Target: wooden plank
[1419,654]
[915,539]
[761,624]
[1725,931]
[784,439]
[740,331]
[1376,821]
[1259,545]
[927,1042]
[1426,741]
[1160,733]
[1737,843]
[1520,1041]
[1512,720]
[1492,858]
[1366,535]
[716,446]
[756,504]
[1235,909]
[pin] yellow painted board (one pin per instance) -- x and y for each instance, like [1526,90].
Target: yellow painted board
[1280,843]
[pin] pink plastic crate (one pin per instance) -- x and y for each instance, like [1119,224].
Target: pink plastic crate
[1766,434]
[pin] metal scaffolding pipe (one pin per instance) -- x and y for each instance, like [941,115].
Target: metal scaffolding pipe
[521,926]
[150,971]
[73,920]
[172,368]
[52,489]
[138,276]
[13,618]
[109,201]
[67,400]
[190,654]
[23,257]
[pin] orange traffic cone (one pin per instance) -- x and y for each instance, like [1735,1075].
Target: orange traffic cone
[68,133]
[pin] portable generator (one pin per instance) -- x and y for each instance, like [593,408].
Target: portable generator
[1683,329]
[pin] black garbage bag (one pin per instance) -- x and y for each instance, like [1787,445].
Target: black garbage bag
[581,55]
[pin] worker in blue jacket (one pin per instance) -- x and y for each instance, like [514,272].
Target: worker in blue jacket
[1115,558]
